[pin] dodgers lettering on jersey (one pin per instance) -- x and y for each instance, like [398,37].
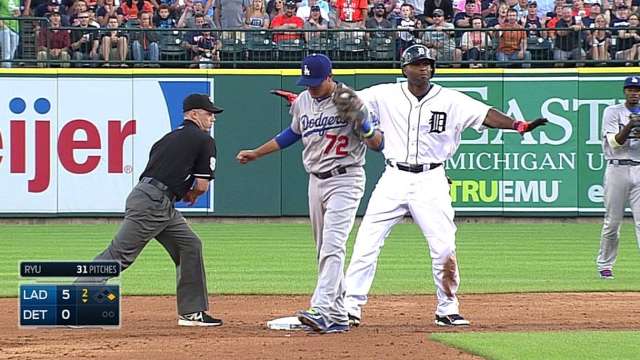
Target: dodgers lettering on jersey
[328,140]
[426,131]
[615,117]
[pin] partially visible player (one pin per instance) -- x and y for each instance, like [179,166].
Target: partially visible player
[333,155]
[621,148]
[422,124]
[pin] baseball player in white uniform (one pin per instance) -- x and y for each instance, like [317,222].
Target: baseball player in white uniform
[422,124]
[621,147]
[333,155]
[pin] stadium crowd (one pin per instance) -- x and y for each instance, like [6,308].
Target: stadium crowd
[463,32]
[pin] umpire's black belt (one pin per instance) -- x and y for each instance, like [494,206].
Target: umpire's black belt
[331,173]
[160,186]
[624,162]
[414,168]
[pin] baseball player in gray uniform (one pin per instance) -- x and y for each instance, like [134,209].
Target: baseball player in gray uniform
[333,155]
[621,147]
[422,124]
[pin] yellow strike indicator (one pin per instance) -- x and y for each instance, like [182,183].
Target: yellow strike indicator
[111,297]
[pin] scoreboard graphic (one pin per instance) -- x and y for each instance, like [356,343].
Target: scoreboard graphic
[75,294]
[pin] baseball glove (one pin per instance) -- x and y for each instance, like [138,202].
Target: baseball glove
[288,96]
[350,107]
[449,277]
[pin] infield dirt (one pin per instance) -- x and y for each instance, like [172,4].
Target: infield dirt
[394,327]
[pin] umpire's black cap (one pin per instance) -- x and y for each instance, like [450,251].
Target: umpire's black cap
[200,101]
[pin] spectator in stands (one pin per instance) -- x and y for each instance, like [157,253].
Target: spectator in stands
[49,7]
[461,6]
[190,10]
[579,9]
[490,10]
[594,11]
[230,14]
[106,10]
[164,19]
[418,7]
[351,13]
[191,37]
[287,21]
[115,43]
[406,26]
[145,44]
[627,40]
[53,43]
[92,18]
[378,21]
[276,9]
[502,16]
[315,21]
[532,22]
[305,11]
[567,42]
[395,15]
[131,9]
[619,16]
[600,39]
[431,5]
[512,40]
[462,20]
[545,7]
[207,49]
[256,16]
[475,43]
[84,40]
[440,37]
[551,21]
[522,8]
[80,6]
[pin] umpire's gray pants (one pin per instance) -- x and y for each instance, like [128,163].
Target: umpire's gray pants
[150,214]
[621,184]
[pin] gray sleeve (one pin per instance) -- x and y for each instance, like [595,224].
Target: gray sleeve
[295,117]
[610,123]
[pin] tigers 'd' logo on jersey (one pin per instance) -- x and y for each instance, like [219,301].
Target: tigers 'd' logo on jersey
[438,122]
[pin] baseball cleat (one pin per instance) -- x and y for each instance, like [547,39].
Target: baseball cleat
[354,321]
[313,319]
[451,320]
[336,328]
[199,318]
[606,274]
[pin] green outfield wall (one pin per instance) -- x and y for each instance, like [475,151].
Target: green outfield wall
[556,171]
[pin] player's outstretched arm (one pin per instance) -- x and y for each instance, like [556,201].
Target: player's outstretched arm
[245,156]
[497,120]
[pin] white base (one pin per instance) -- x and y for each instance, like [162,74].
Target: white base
[286,323]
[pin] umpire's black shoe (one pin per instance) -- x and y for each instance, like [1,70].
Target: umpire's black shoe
[354,321]
[199,318]
[451,320]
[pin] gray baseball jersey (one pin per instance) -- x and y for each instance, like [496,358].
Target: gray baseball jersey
[615,117]
[328,140]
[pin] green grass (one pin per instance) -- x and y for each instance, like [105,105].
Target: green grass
[280,258]
[583,345]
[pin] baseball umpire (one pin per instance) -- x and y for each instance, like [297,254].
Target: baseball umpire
[180,166]
[621,147]
[335,132]
[422,124]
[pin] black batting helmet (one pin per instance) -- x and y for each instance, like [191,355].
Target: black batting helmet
[415,53]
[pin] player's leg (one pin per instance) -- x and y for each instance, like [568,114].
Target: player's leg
[342,198]
[147,212]
[634,199]
[185,248]
[431,209]
[386,208]
[313,317]
[616,194]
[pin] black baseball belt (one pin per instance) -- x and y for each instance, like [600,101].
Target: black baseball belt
[413,168]
[624,162]
[160,186]
[331,173]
